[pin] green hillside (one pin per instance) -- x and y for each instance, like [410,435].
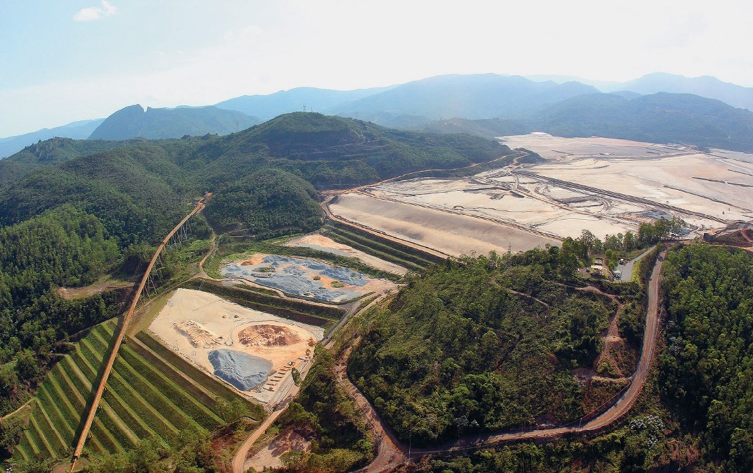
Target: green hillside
[151,393]
[50,153]
[486,344]
[267,202]
[121,201]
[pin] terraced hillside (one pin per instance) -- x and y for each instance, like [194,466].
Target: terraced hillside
[380,247]
[151,392]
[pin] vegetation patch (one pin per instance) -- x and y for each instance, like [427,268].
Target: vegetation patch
[483,344]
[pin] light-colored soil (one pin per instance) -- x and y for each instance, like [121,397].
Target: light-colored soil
[267,335]
[193,323]
[289,440]
[558,148]
[447,232]
[607,186]
[672,180]
[322,243]
[71,293]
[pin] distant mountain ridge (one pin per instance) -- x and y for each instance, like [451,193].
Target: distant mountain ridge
[512,101]
[475,96]
[705,86]
[77,130]
[295,100]
[164,123]
[656,118]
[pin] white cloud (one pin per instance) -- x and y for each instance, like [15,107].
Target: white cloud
[96,13]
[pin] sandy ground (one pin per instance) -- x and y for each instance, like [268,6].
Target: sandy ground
[71,293]
[720,187]
[322,243]
[269,456]
[450,233]
[558,148]
[216,323]
[709,187]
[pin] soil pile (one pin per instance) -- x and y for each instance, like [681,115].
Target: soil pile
[266,335]
[196,334]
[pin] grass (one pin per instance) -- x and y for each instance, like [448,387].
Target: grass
[151,392]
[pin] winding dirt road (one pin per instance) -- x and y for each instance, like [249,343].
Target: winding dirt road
[392,452]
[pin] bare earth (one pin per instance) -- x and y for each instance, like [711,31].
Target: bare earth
[193,323]
[322,243]
[269,456]
[450,233]
[607,186]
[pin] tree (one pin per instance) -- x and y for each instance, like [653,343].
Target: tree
[296,376]
[611,259]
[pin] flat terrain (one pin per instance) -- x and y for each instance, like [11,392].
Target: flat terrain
[195,323]
[607,186]
[450,233]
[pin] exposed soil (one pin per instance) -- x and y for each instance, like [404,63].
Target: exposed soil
[270,455]
[197,335]
[322,243]
[209,322]
[268,335]
[71,293]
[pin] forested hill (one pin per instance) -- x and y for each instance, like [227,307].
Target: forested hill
[161,123]
[138,188]
[73,211]
[50,153]
[657,118]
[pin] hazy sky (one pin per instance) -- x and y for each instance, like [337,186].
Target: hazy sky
[66,60]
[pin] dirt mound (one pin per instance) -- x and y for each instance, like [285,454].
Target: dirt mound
[197,334]
[266,335]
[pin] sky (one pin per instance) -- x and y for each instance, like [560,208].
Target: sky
[68,60]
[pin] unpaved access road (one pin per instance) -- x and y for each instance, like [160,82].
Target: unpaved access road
[239,459]
[392,452]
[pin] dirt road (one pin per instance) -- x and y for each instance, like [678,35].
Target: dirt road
[239,459]
[392,452]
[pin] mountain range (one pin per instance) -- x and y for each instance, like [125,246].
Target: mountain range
[698,111]
[163,123]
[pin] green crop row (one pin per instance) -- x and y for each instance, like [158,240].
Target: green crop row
[149,392]
[183,381]
[160,403]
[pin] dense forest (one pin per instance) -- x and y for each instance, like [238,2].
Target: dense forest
[484,344]
[267,202]
[340,438]
[707,367]
[695,411]
[62,247]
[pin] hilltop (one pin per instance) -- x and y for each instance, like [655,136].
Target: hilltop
[137,187]
[161,123]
